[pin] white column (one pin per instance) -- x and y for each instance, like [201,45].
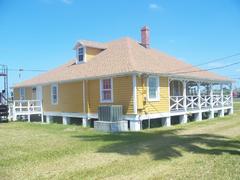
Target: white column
[28,106]
[231,110]
[84,97]
[29,118]
[85,122]
[222,100]
[211,116]
[183,119]
[166,121]
[41,105]
[221,113]
[199,96]
[134,86]
[198,116]
[135,125]
[48,119]
[66,120]
[184,95]
[14,111]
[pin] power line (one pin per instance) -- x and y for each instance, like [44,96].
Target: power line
[208,62]
[200,70]
[29,70]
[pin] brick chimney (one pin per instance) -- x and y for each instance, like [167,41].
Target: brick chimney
[145,36]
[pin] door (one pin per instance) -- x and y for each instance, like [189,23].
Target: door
[39,93]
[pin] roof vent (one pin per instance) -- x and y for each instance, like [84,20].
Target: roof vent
[145,36]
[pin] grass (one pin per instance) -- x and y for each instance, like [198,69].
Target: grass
[200,150]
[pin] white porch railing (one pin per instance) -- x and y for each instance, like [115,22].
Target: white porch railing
[217,101]
[227,100]
[192,102]
[176,103]
[26,108]
[206,101]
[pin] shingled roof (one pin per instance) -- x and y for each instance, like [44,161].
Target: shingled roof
[123,56]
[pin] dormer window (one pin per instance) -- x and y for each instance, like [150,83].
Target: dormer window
[80,54]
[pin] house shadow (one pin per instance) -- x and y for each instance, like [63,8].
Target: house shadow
[163,144]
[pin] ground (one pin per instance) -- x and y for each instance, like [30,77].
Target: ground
[200,150]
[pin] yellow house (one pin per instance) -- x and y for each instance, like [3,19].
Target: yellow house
[149,84]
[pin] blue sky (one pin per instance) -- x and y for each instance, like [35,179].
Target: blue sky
[40,34]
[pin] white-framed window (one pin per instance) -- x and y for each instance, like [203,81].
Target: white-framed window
[22,93]
[80,54]
[54,94]
[34,93]
[153,89]
[106,90]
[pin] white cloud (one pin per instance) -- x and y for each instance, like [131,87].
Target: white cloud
[153,6]
[238,70]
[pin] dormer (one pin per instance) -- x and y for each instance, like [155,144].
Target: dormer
[86,50]
[80,54]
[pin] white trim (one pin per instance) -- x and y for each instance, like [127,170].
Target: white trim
[101,85]
[84,55]
[134,86]
[135,117]
[84,97]
[22,93]
[130,73]
[34,98]
[52,86]
[158,89]
[39,93]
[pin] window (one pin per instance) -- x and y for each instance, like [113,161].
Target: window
[80,54]
[34,91]
[153,88]
[54,94]
[22,94]
[106,90]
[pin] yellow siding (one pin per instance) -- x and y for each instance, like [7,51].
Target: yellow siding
[145,106]
[91,52]
[122,93]
[16,94]
[28,93]
[69,98]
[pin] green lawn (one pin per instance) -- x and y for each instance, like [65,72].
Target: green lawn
[200,150]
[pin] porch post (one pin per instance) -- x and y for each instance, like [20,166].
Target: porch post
[49,119]
[85,122]
[231,95]
[211,116]
[184,95]
[199,96]
[221,112]
[183,118]
[14,111]
[42,118]
[134,91]
[222,100]
[166,121]
[28,106]
[66,120]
